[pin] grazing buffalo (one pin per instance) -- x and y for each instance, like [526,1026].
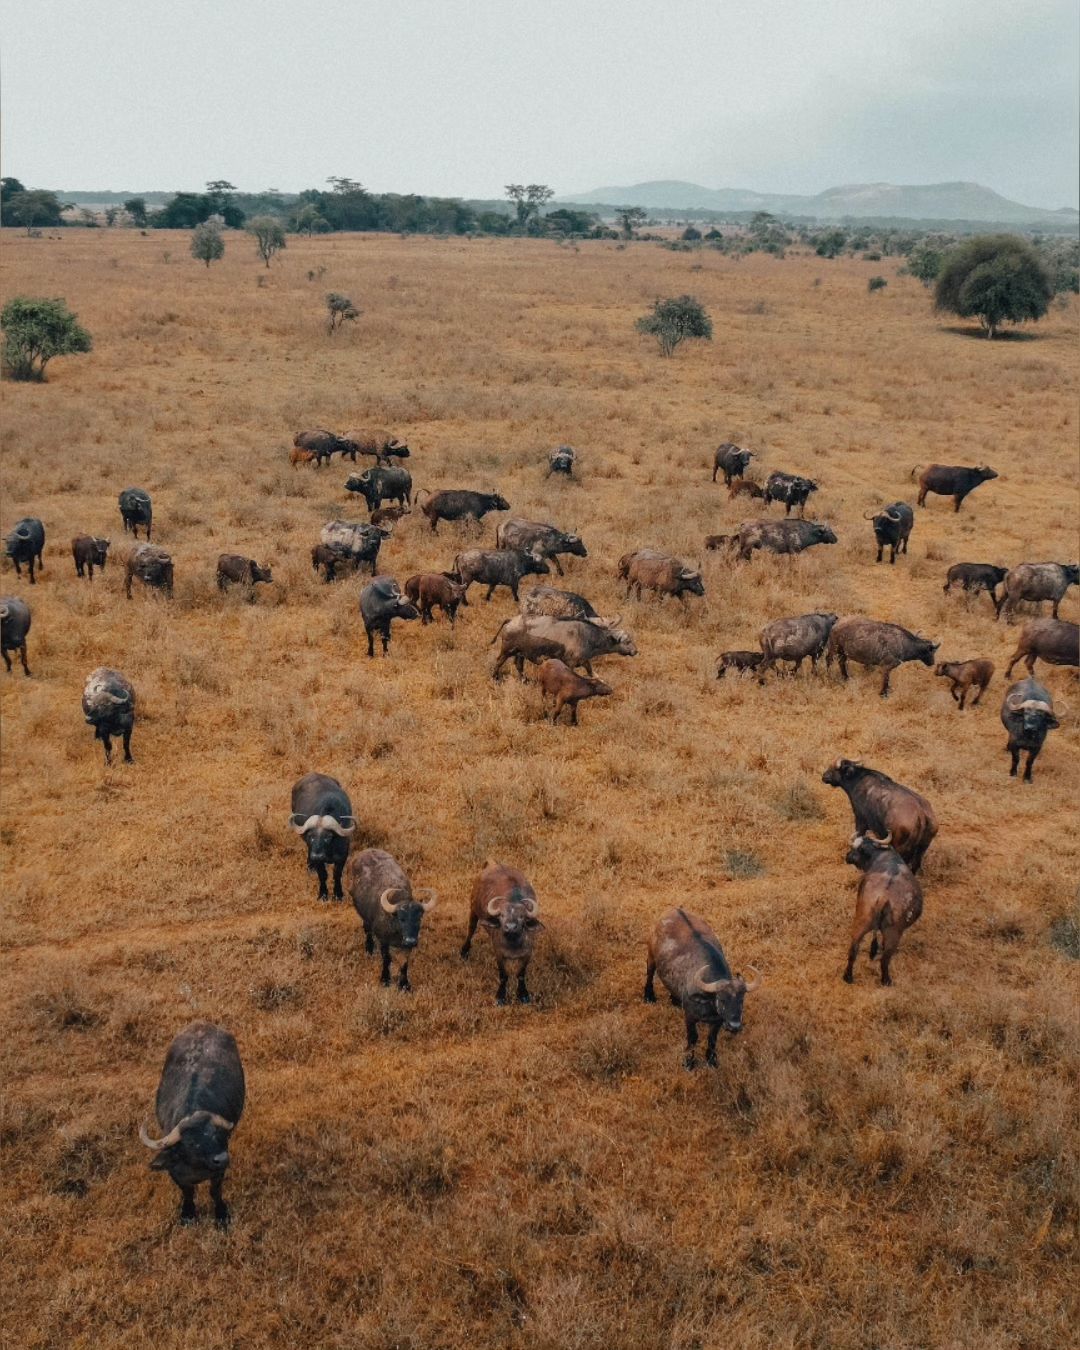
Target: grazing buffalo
[200,1099]
[136,509]
[458,504]
[889,900]
[964,676]
[355,542]
[795,640]
[790,488]
[24,543]
[323,445]
[884,807]
[498,567]
[108,704]
[739,661]
[152,565]
[233,569]
[744,487]
[381,444]
[298,457]
[869,642]
[561,460]
[976,577]
[381,602]
[389,515]
[14,626]
[504,902]
[381,484]
[544,540]
[1027,714]
[1036,582]
[781,536]
[686,954]
[330,558]
[577,642]
[730,460]
[647,569]
[431,590]
[322,816]
[717,543]
[89,552]
[557,604]
[951,480]
[892,527]
[1051,640]
[388,908]
[563,687]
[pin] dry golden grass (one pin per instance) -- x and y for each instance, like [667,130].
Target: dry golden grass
[867,1167]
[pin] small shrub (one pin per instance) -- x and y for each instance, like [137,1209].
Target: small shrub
[876,284]
[207,244]
[607,1049]
[1065,935]
[35,330]
[742,865]
[675,319]
[339,307]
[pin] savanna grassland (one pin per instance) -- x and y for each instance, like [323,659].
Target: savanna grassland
[867,1167]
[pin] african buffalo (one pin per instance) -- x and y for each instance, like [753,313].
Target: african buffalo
[388,515]
[964,676]
[200,1099]
[89,552]
[498,567]
[1027,714]
[152,565]
[388,908]
[381,444]
[24,543]
[556,604]
[544,540]
[458,504]
[951,480]
[795,640]
[1036,582]
[885,807]
[869,642]
[380,484]
[108,704]
[565,688]
[578,642]
[430,590]
[889,900]
[790,488]
[686,954]
[381,602]
[233,569]
[322,816]
[1051,640]
[356,542]
[739,661]
[744,487]
[892,526]
[323,445]
[504,902]
[781,536]
[648,569]
[136,509]
[14,626]
[731,460]
[329,558]
[561,460]
[976,577]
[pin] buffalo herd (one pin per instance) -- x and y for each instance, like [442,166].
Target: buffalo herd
[200,1096]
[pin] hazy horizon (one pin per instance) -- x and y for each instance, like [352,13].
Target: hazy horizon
[458,99]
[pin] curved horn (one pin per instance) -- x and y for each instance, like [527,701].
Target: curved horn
[1036,704]
[432,898]
[707,986]
[892,515]
[173,1137]
[494,903]
[532,906]
[873,515]
[221,1122]
[1014,702]
[5,610]
[385,903]
[335,825]
[755,983]
[301,824]
[878,840]
[23,533]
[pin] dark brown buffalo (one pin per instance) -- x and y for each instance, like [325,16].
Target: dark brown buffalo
[108,704]
[200,1099]
[323,445]
[781,536]
[795,639]
[389,515]
[964,676]
[976,577]
[869,642]
[744,487]
[504,902]
[717,543]
[884,807]
[892,528]
[322,816]
[152,565]
[889,900]
[1035,582]
[436,590]
[136,509]
[25,543]
[458,504]
[686,954]
[14,626]
[730,460]
[951,480]
[384,446]
[498,567]
[389,909]
[89,552]
[233,569]
[647,569]
[738,661]
[381,602]
[563,687]
[1027,714]
[390,483]
[1051,640]
[330,559]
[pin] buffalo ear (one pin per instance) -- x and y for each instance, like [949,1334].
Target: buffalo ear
[1051,723]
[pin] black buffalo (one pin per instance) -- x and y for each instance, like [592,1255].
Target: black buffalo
[393,484]
[108,704]
[781,536]
[561,460]
[24,543]
[322,816]
[1027,714]
[498,567]
[381,602]
[459,504]
[790,488]
[354,543]
[136,509]
[951,480]
[731,460]
[892,526]
[89,552]
[976,577]
[14,626]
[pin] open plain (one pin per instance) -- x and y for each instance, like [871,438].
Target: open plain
[867,1167]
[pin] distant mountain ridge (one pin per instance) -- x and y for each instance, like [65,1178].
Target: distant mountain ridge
[926,201]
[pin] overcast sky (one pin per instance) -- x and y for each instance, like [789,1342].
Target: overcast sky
[459,97]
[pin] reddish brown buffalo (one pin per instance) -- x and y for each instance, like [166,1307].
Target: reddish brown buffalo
[504,902]
[563,688]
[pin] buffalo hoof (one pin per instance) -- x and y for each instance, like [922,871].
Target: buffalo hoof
[848,977]
[648,996]
[323,897]
[689,1063]
[464,953]
[710,1061]
[500,1000]
[384,980]
[222,1217]
[189,1216]
[524,998]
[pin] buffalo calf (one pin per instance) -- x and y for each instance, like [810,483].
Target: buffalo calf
[966,675]
[563,688]
[738,661]
[436,590]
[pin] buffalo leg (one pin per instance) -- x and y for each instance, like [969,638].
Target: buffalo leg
[403,979]
[466,946]
[558,566]
[873,952]
[953,694]
[649,996]
[922,497]
[691,1042]
[30,565]
[370,643]
[978,695]
[106,741]
[963,698]
[79,570]
[385,635]
[384,974]
[221,1209]
[7,661]
[188,1212]
[890,940]
[957,500]
[842,659]
[523,995]
[22,657]
[519,663]
[339,894]
[1031,754]
[127,748]
[369,941]
[892,554]
[862,927]
[320,872]
[885,682]
[1015,761]
[491,592]
[500,994]
[710,1045]
[573,714]
[880,550]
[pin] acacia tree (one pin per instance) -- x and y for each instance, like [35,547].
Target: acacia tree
[996,278]
[528,198]
[35,330]
[207,244]
[269,236]
[675,319]
[630,217]
[340,308]
[136,209]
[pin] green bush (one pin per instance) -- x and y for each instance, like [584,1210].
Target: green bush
[674,320]
[876,284]
[35,330]
[996,278]
[207,244]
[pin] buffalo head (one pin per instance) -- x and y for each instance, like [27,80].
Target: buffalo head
[194,1149]
[727,996]
[407,911]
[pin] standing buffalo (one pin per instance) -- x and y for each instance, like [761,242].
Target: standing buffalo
[966,675]
[14,626]
[686,954]
[739,661]
[1027,714]
[564,688]
[381,602]
[380,484]
[561,460]
[544,540]
[200,1099]
[352,542]
[233,569]
[152,565]
[329,558]
[577,642]
[136,509]
[730,460]
[498,567]
[951,480]
[884,807]
[322,816]
[504,902]
[1036,582]
[458,504]
[430,590]
[24,543]
[889,900]
[89,552]
[557,604]
[381,444]
[323,445]
[781,536]
[869,642]
[790,488]
[648,569]
[892,526]
[108,704]
[795,640]
[388,908]
[976,577]
[1051,640]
